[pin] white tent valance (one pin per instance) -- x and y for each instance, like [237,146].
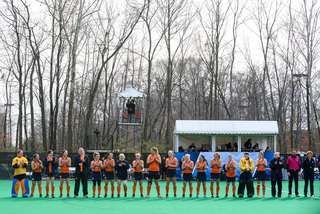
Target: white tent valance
[131,92]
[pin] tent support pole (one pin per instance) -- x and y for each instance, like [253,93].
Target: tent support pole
[275,143]
[239,143]
[213,143]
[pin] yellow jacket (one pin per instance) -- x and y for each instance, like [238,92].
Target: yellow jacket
[19,161]
[243,165]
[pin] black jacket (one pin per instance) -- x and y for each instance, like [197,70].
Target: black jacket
[85,164]
[276,166]
[131,108]
[122,170]
[308,166]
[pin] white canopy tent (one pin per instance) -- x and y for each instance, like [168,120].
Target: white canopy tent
[131,92]
[206,132]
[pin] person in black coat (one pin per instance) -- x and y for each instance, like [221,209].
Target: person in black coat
[131,107]
[81,162]
[122,167]
[308,170]
[276,165]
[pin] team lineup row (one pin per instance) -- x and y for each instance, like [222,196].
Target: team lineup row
[104,170]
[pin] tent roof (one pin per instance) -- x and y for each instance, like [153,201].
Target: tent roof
[131,92]
[225,127]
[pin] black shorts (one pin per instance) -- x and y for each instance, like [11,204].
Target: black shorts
[230,179]
[96,176]
[108,175]
[215,176]
[137,176]
[187,176]
[36,176]
[20,177]
[201,176]
[122,178]
[50,174]
[261,175]
[154,175]
[64,175]
[171,173]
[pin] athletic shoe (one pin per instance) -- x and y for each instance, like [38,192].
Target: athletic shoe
[240,196]
[175,196]
[226,196]
[204,195]
[86,196]
[75,196]
[159,196]
[167,196]
[125,195]
[52,196]
[31,196]
[312,196]
[118,196]
[190,195]
[289,195]
[258,196]
[47,196]
[305,196]
[217,196]
[212,196]
[93,196]
[197,196]
[264,196]
[141,195]
[105,196]
[234,196]
[279,196]
[183,196]
[112,196]
[60,196]
[68,196]
[147,196]
[133,196]
[297,195]
[99,196]
[40,195]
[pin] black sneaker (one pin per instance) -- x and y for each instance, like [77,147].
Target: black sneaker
[118,196]
[60,196]
[235,196]
[112,196]
[133,196]
[175,196]
[93,196]
[47,196]
[105,196]
[279,196]
[68,196]
[142,196]
[167,196]
[217,196]
[125,195]
[212,196]
[31,196]
[40,195]
[240,196]
[52,196]
[190,196]
[226,196]
[183,196]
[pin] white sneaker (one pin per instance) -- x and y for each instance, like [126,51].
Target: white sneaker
[264,196]
[258,196]
[312,196]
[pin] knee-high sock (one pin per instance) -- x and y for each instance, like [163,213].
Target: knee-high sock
[175,189]
[148,189]
[32,189]
[125,189]
[61,189]
[106,190]
[112,189]
[227,190]
[211,189]
[158,189]
[205,190]
[94,190]
[118,189]
[99,190]
[234,190]
[47,189]
[40,190]
[141,190]
[167,189]
[258,189]
[191,190]
[52,189]
[217,190]
[23,188]
[68,189]
[198,190]
[184,190]
[134,190]
[264,189]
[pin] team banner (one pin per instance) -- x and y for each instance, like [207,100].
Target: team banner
[224,157]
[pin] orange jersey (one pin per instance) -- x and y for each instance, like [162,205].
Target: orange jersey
[35,164]
[261,166]
[215,169]
[231,172]
[96,166]
[108,163]
[171,162]
[203,164]
[64,168]
[188,166]
[154,166]
[138,167]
